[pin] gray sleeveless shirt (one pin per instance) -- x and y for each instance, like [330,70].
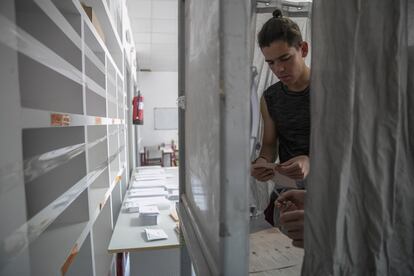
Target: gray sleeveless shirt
[290,112]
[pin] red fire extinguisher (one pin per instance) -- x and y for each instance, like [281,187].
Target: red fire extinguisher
[138,107]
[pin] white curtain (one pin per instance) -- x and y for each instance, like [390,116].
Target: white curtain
[360,200]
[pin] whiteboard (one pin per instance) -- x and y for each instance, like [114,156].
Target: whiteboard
[165,118]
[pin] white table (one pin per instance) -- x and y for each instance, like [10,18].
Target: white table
[147,257]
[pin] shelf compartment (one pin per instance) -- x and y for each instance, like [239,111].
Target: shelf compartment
[93,48]
[68,208]
[62,234]
[98,155]
[94,73]
[111,82]
[102,232]
[93,86]
[123,185]
[31,18]
[59,179]
[55,182]
[44,162]
[97,193]
[95,104]
[66,17]
[112,111]
[112,41]
[116,201]
[42,140]
[114,167]
[44,88]
[19,40]
[96,133]
[82,263]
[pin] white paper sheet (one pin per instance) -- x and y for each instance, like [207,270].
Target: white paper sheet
[148,192]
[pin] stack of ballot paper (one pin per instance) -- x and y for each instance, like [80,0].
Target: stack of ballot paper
[171,187]
[155,183]
[160,201]
[149,177]
[148,192]
[131,206]
[143,168]
[173,195]
[155,234]
[148,215]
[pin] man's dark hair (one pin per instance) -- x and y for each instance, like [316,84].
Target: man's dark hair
[279,28]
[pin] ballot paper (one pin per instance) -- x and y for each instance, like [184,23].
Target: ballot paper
[155,234]
[150,172]
[173,195]
[149,215]
[158,183]
[160,201]
[279,180]
[131,206]
[270,166]
[171,187]
[150,177]
[148,192]
[282,181]
[148,168]
[149,210]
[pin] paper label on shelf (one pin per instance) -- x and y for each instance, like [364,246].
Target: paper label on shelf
[58,119]
[98,120]
[155,234]
[69,260]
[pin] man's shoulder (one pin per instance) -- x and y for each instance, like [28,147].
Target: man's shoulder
[273,89]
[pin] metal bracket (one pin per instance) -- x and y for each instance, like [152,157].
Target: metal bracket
[288,7]
[181,102]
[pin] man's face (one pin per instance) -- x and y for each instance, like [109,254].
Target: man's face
[285,62]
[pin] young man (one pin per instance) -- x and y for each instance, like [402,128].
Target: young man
[285,106]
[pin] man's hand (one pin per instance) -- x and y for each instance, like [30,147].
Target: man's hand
[262,173]
[291,205]
[296,168]
[291,197]
[292,222]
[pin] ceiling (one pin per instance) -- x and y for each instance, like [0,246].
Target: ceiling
[154,29]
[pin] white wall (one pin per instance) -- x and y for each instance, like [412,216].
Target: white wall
[160,89]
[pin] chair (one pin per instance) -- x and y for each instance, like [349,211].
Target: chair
[167,152]
[152,156]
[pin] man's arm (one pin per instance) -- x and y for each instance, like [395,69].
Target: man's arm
[268,150]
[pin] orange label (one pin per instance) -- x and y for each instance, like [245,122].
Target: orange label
[57,119]
[98,120]
[69,260]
